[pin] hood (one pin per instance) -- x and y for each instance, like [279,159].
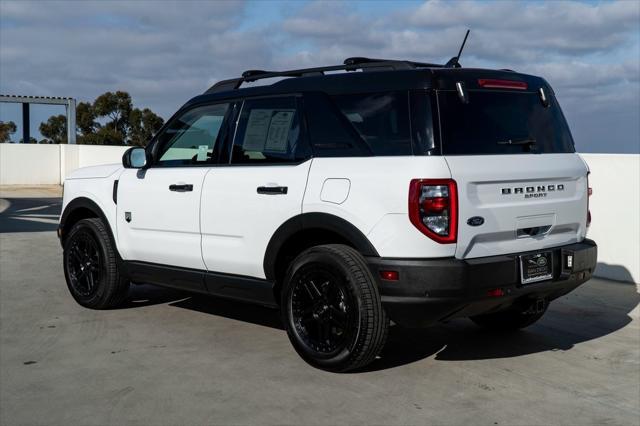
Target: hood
[101,171]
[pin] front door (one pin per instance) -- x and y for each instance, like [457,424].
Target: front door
[159,206]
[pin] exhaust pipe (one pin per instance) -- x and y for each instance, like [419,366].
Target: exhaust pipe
[538,306]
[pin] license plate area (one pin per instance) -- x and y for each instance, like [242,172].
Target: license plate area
[536,267]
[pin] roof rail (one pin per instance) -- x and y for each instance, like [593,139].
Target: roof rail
[360,60]
[350,64]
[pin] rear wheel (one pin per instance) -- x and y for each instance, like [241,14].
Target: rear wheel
[514,318]
[90,266]
[331,309]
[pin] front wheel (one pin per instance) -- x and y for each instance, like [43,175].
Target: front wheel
[90,266]
[332,310]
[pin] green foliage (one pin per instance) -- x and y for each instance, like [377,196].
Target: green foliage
[143,125]
[86,118]
[31,140]
[110,120]
[6,130]
[116,107]
[55,129]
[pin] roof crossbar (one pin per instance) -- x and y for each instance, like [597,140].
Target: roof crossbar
[350,64]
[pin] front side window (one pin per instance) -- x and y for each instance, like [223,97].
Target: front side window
[192,138]
[269,132]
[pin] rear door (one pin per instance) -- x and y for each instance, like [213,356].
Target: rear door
[259,188]
[510,151]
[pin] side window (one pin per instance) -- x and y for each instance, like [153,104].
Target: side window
[330,133]
[381,120]
[192,137]
[269,131]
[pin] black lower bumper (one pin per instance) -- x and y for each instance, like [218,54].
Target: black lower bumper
[429,290]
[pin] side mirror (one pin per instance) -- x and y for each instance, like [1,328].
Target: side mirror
[135,158]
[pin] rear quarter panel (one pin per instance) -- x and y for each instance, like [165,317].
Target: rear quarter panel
[376,201]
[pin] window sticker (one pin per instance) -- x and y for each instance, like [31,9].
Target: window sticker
[279,131]
[268,130]
[257,129]
[202,152]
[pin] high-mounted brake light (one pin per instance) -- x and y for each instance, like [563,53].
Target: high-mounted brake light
[489,83]
[433,208]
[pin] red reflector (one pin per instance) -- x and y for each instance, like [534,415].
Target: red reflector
[390,275]
[590,192]
[436,204]
[502,84]
[496,292]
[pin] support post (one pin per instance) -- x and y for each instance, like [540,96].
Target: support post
[26,123]
[71,121]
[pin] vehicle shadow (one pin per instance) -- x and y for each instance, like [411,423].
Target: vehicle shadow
[597,309]
[147,295]
[29,214]
[240,311]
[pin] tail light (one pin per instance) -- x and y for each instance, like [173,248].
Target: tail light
[589,192]
[433,208]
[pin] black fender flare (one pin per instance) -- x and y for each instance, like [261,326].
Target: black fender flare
[323,221]
[82,203]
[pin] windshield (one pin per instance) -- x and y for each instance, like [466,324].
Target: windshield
[501,122]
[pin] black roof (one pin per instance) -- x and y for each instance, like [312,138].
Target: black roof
[362,75]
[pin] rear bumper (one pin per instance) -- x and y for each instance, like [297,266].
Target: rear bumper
[430,290]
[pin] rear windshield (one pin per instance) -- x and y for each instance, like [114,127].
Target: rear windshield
[501,122]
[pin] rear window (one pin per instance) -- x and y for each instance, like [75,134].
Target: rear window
[501,122]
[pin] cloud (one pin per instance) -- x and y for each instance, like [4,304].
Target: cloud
[165,52]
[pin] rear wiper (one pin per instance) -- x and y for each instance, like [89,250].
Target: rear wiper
[528,141]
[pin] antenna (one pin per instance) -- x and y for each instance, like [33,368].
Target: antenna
[453,62]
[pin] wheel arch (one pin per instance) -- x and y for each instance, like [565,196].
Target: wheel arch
[78,209]
[307,230]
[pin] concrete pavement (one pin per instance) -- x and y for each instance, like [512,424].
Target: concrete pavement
[169,357]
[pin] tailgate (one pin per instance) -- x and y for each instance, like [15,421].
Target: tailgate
[528,202]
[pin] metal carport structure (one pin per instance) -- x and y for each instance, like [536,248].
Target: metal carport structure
[69,103]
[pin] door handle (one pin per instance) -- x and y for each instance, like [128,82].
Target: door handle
[181,187]
[273,190]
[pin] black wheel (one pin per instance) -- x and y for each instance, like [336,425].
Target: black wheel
[90,266]
[514,318]
[331,309]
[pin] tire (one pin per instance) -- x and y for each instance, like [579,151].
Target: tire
[331,309]
[91,268]
[511,319]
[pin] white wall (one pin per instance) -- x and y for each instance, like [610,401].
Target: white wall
[615,212]
[35,164]
[615,204]
[29,164]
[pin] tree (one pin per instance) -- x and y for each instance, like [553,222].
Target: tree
[117,107]
[55,129]
[31,140]
[86,118]
[6,130]
[110,120]
[143,124]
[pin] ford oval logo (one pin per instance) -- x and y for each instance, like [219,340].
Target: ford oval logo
[475,221]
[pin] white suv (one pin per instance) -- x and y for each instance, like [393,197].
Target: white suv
[393,189]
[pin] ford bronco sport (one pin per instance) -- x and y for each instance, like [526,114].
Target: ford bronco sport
[347,196]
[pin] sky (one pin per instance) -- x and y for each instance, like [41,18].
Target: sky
[163,53]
